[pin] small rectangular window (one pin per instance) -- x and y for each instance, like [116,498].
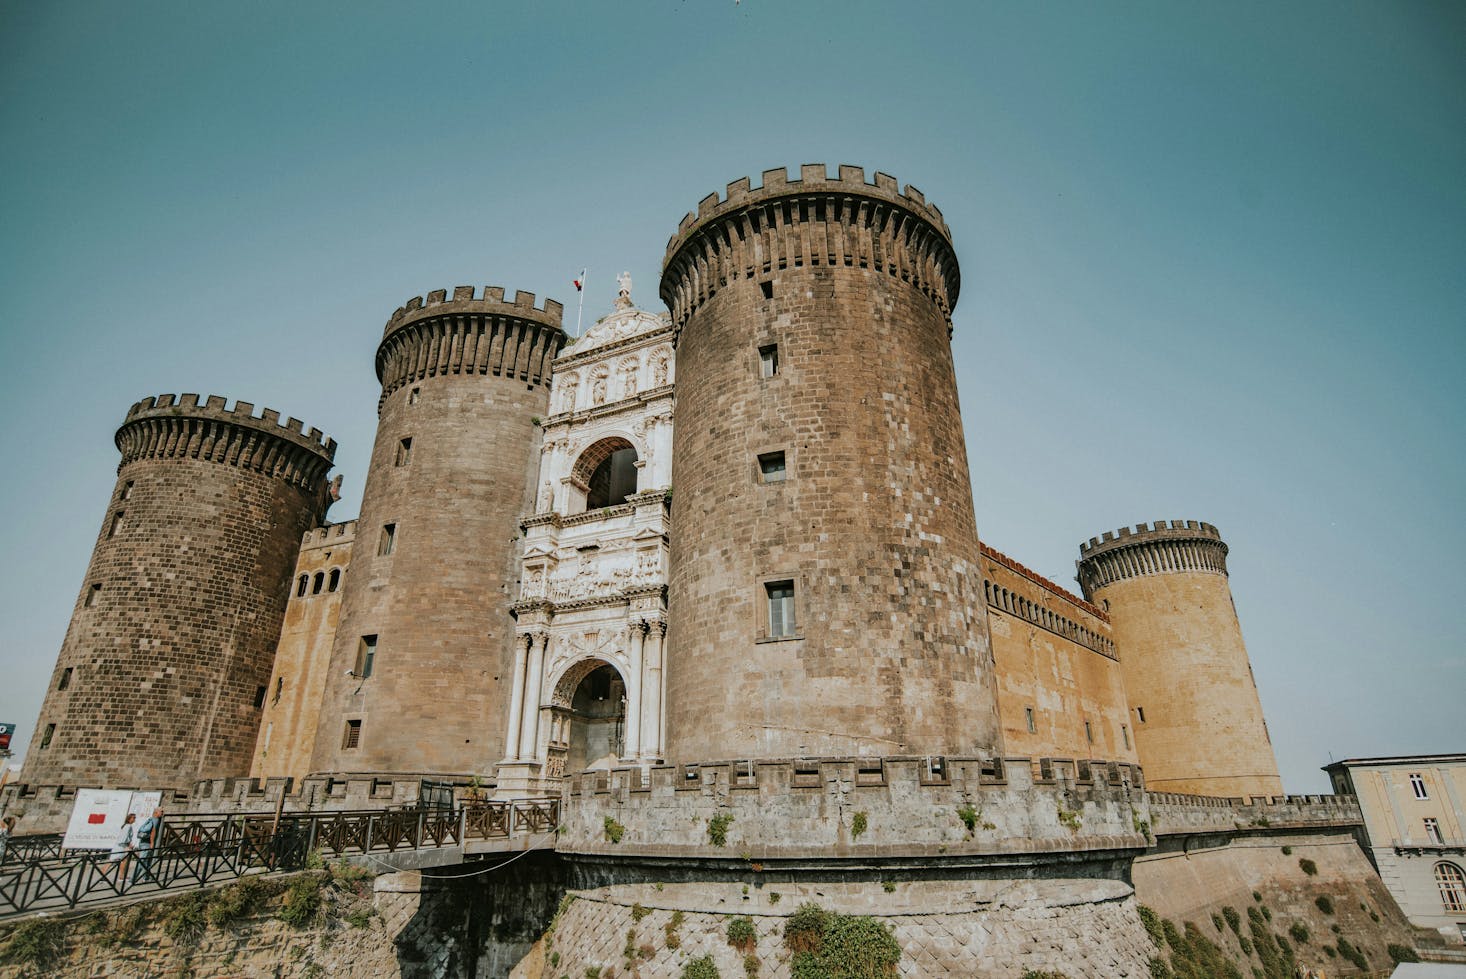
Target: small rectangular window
[414,396]
[126,490]
[1140,714]
[65,680]
[366,654]
[389,539]
[768,360]
[116,524]
[767,288]
[1032,724]
[92,594]
[352,737]
[1417,785]
[47,735]
[771,467]
[780,596]
[1125,733]
[1433,831]
[404,452]
[1088,733]
[260,697]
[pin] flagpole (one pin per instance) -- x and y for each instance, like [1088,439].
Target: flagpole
[581,308]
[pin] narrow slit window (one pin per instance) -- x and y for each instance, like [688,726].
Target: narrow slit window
[768,360]
[116,524]
[388,541]
[92,594]
[771,467]
[404,452]
[126,490]
[1140,714]
[47,735]
[65,680]
[1088,733]
[366,655]
[1125,735]
[279,688]
[414,396]
[767,288]
[1032,723]
[352,737]
[780,595]
[260,697]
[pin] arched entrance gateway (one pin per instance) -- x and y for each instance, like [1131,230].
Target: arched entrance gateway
[587,719]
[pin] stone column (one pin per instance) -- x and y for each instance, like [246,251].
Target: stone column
[516,701]
[529,745]
[632,747]
[651,692]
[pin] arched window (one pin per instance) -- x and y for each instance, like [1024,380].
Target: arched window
[305,582]
[335,579]
[607,471]
[1452,882]
[320,583]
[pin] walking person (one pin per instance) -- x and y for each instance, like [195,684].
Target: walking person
[120,854]
[149,835]
[7,826]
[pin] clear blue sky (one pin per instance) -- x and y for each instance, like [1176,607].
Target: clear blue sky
[1214,263]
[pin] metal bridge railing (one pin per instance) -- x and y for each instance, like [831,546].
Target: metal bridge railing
[199,850]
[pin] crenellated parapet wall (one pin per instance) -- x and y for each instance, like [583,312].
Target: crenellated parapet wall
[1161,548]
[169,427]
[891,807]
[1177,813]
[329,535]
[468,334]
[813,221]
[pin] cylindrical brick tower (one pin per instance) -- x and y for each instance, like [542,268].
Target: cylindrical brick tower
[422,661]
[825,595]
[161,677]
[1198,721]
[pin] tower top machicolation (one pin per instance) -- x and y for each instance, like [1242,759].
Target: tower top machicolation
[242,413]
[1141,533]
[490,302]
[813,178]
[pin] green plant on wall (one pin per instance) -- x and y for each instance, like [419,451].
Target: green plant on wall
[718,828]
[858,824]
[614,830]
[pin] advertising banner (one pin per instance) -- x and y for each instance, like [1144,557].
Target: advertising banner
[98,814]
[7,731]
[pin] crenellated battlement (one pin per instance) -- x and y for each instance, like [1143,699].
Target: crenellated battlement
[813,221]
[242,412]
[179,427]
[329,535]
[491,300]
[470,334]
[1160,548]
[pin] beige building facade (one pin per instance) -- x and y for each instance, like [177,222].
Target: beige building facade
[1416,828]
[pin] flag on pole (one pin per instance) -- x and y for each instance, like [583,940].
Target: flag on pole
[578,285]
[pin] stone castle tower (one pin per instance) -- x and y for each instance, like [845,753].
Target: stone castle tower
[1198,720]
[162,675]
[425,630]
[825,595]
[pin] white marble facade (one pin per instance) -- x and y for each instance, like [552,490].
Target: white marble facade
[593,582]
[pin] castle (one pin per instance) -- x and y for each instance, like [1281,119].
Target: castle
[743,529]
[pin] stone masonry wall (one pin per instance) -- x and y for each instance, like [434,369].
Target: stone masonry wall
[1053,658]
[159,680]
[782,809]
[464,379]
[872,519]
[1185,664]
[1084,929]
[303,655]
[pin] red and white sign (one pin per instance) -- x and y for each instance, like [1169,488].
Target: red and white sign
[98,814]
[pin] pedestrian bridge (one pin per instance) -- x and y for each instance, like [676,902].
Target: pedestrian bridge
[38,875]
